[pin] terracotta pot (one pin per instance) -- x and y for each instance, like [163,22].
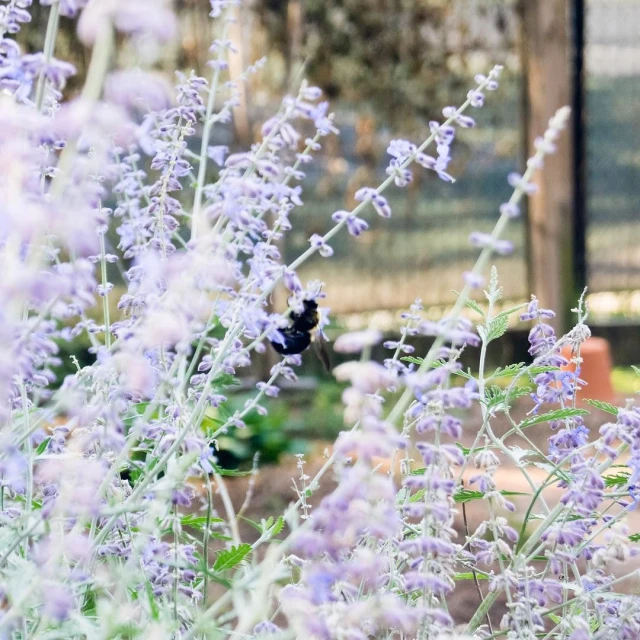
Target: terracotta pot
[595,370]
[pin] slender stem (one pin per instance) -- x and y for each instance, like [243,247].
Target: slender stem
[252,405]
[30,461]
[478,267]
[133,436]
[196,222]
[14,544]
[49,47]
[228,507]
[196,355]
[105,296]
[205,542]
[98,67]
[176,540]
[473,571]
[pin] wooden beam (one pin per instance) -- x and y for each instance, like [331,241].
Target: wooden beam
[548,86]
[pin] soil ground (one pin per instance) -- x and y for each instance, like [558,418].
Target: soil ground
[273,491]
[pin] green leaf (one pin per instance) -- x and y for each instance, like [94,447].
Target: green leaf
[472,304]
[634,537]
[277,527]
[498,399]
[232,557]
[604,406]
[153,601]
[420,361]
[197,522]
[550,416]
[497,327]
[89,604]
[495,291]
[509,371]
[469,576]
[554,618]
[510,310]
[468,495]
[230,472]
[210,424]
[462,448]
[138,410]
[42,446]
[514,369]
[617,480]
[35,504]
[534,371]
[219,536]
[256,525]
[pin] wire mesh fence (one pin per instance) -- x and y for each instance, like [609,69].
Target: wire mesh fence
[423,250]
[613,144]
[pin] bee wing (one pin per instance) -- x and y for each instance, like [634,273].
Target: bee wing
[322,351]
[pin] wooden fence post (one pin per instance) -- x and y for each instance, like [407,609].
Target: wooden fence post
[548,77]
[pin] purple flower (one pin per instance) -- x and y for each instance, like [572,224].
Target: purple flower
[401,176]
[148,18]
[356,341]
[55,71]
[379,203]
[58,602]
[135,90]
[484,240]
[355,225]
[265,629]
[68,8]
[401,150]
[476,98]
[474,280]
[510,210]
[533,312]
[464,121]
[318,242]
[518,182]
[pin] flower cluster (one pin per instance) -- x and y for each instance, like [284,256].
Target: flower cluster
[115,517]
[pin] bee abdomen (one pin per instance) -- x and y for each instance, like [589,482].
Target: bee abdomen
[294,342]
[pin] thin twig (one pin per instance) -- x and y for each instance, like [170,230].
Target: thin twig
[473,571]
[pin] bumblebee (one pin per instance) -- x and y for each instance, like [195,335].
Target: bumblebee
[297,336]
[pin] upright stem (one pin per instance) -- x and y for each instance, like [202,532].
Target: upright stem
[205,541]
[204,145]
[105,297]
[478,267]
[49,46]
[26,417]
[98,67]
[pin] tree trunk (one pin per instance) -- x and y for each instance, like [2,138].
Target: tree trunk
[548,86]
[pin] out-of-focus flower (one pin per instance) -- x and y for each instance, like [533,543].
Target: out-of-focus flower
[356,341]
[68,8]
[143,18]
[134,89]
[365,376]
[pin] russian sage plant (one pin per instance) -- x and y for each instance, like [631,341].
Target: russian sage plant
[115,518]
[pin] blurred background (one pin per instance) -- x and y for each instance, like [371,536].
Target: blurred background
[388,67]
